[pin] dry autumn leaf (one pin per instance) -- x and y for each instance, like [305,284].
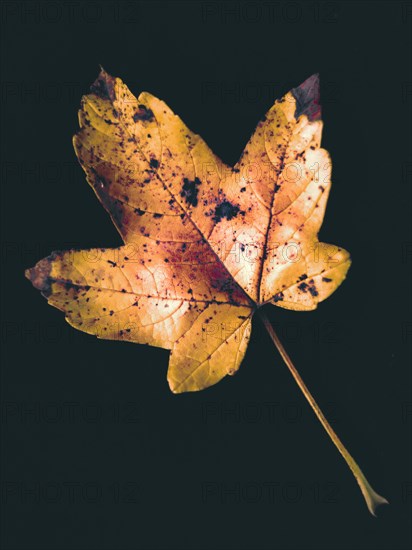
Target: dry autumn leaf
[205,244]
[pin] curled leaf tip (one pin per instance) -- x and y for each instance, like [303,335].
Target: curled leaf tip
[103,87]
[39,276]
[307,97]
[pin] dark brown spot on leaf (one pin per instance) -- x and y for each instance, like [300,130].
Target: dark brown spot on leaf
[225,210]
[190,190]
[143,113]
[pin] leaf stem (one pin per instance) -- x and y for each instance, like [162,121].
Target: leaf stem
[373,500]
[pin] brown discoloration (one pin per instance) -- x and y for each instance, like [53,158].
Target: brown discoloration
[225,210]
[307,98]
[309,287]
[39,276]
[104,86]
[143,113]
[278,297]
[190,190]
[313,291]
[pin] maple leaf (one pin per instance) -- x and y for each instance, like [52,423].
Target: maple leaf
[205,244]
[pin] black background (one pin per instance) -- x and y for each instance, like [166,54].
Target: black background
[158,472]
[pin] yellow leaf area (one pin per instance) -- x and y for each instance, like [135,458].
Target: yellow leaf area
[205,244]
